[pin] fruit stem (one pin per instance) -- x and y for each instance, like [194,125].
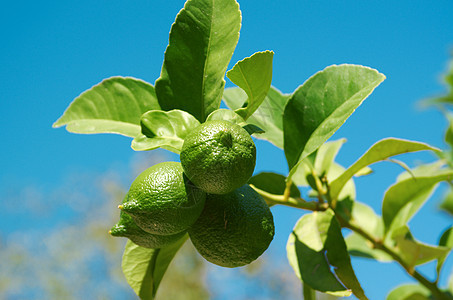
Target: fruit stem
[273,199]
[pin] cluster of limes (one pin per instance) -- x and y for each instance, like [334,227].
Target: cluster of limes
[205,195]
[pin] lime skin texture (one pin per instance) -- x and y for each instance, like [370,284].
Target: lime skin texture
[218,156]
[234,229]
[163,201]
[126,227]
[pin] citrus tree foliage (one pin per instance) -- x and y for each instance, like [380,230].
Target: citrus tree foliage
[189,92]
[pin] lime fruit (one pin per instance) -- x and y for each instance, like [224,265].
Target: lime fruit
[126,227]
[234,229]
[163,201]
[218,156]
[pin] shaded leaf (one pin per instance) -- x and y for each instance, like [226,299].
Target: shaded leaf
[253,75]
[268,116]
[202,41]
[447,204]
[381,150]
[251,129]
[446,240]
[161,129]
[321,105]
[144,268]
[273,183]
[403,199]
[113,106]
[409,292]
[315,245]
[360,247]
[413,252]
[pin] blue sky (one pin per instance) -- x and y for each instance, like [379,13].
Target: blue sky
[50,52]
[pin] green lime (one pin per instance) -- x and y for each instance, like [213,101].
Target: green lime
[234,229]
[218,156]
[126,227]
[163,201]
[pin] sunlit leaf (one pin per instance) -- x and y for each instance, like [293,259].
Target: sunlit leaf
[403,199]
[227,115]
[414,252]
[381,150]
[321,105]
[144,268]
[253,75]
[409,292]
[161,129]
[268,116]
[316,249]
[113,106]
[447,203]
[202,41]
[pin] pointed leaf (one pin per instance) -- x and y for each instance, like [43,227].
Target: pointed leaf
[268,116]
[413,252]
[144,268]
[403,199]
[161,129]
[321,105]
[381,150]
[227,115]
[273,183]
[446,240]
[409,292]
[202,41]
[315,245]
[113,106]
[253,75]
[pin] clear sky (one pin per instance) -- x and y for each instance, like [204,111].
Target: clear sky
[51,51]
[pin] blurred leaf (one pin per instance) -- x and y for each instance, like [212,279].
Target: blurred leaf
[422,170]
[113,106]
[161,129]
[447,203]
[202,41]
[321,105]
[361,247]
[315,248]
[409,292]
[268,116]
[446,240]
[449,132]
[251,129]
[253,75]
[144,268]
[413,252]
[381,150]
[363,172]
[273,183]
[403,199]
[227,115]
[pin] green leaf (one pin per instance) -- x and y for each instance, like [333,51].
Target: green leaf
[446,240]
[321,105]
[161,129]
[409,292]
[273,183]
[251,129]
[113,106]
[380,151]
[360,247]
[144,268]
[253,75]
[202,41]
[447,204]
[403,199]
[314,248]
[227,115]
[449,132]
[268,116]
[413,252]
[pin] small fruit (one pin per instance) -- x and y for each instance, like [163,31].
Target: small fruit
[234,229]
[163,201]
[218,156]
[126,227]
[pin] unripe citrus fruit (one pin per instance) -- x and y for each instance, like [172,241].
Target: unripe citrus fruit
[234,229]
[126,227]
[162,200]
[218,156]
